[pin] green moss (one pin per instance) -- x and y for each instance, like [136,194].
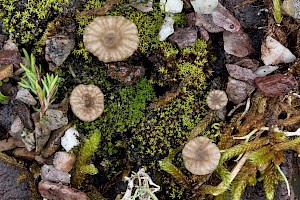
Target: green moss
[85,153]
[19,20]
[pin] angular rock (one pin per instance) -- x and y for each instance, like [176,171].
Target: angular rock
[29,140]
[273,53]
[204,6]
[292,8]
[10,57]
[10,143]
[238,91]
[26,97]
[10,45]
[237,44]
[277,84]
[166,29]
[15,181]
[55,119]
[54,142]
[64,161]
[241,73]
[16,128]
[191,19]
[265,70]
[223,18]
[23,153]
[127,74]
[184,37]
[206,21]
[23,112]
[6,71]
[49,173]
[248,63]
[69,140]
[57,50]
[144,7]
[42,135]
[171,6]
[51,190]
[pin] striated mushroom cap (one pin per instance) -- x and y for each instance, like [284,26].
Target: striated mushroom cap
[87,102]
[111,38]
[216,99]
[201,156]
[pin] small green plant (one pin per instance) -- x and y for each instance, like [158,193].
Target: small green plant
[3,97]
[85,153]
[277,11]
[44,87]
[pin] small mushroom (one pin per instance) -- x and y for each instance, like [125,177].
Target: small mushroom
[111,38]
[216,99]
[201,156]
[87,102]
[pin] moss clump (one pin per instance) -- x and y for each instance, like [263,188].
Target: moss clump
[20,20]
[85,153]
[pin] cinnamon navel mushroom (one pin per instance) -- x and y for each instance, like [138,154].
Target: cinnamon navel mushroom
[87,102]
[216,99]
[111,38]
[201,156]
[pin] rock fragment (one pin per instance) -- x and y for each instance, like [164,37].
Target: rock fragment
[237,44]
[206,21]
[55,119]
[26,97]
[248,63]
[42,135]
[238,91]
[50,173]
[125,73]
[292,8]
[64,161]
[51,190]
[69,140]
[166,29]
[15,181]
[273,53]
[10,143]
[241,73]
[184,37]
[277,84]
[23,153]
[204,6]
[6,71]
[10,57]
[16,127]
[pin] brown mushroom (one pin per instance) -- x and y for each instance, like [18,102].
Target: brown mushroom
[216,99]
[111,38]
[87,102]
[201,156]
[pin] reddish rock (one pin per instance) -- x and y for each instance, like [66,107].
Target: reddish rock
[223,18]
[184,37]
[241,73]
[10,57]
[237,44]
[191,19]
[248,63]
[57,191]
[125,73]
[206,21]
[277,84]
[49,173]
[64,161]
[238,91]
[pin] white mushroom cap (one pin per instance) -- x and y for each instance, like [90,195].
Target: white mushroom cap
[111,38]
[201,156]
[87,102]
[217,99]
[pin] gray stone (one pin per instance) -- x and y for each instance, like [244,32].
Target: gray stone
[25,96]
[55,119]
[49,173]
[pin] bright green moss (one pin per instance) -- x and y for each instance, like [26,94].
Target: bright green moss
[19,20]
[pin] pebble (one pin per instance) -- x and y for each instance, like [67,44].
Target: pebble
[16,128]
[241,73]
[144,7]
[55,119]
[184,37]
[10,57]
[265,70]
[57,50]
[50,173]
[166,29]
[6,71]
[10,143]
[23,111]
[54,142]
[51,190]
[171,6]
[292,8]
[206,21]
[277,84]
[69,140]
[237,44]
[26,97]
[273,52]
[204,6]
[23,153]
[29,140]
[64,161]
[42,135]
[237,90]
[248,63]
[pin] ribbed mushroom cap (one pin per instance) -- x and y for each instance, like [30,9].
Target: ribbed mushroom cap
[87,102]
[111,38]
[201,156]
[217,99]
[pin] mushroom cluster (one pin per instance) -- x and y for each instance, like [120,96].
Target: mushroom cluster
[87,102]
[201,156]
[111,38]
